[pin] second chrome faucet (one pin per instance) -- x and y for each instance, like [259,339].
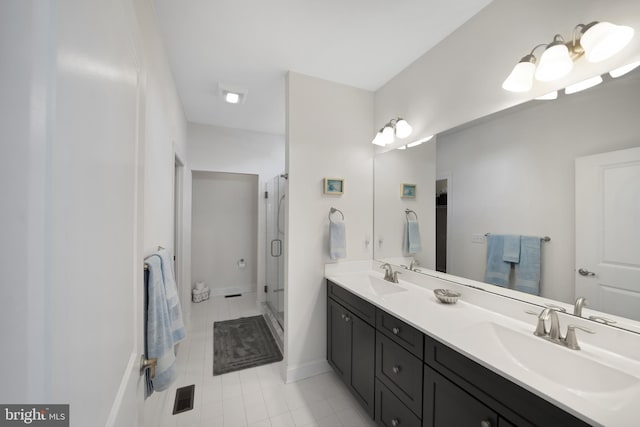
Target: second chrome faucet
[553,334]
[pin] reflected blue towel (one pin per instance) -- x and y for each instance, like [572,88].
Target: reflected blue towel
[511,251]
[497,270]
[412,237]
[528,269]
[337,239]
[159,339]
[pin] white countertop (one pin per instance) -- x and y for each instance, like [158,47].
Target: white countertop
[467,325]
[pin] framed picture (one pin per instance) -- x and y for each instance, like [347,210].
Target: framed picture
[408,191]
[333,186]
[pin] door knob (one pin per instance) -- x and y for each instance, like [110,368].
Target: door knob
[148,364]
[584,272]
[396,369]
[395,422]
[395,331]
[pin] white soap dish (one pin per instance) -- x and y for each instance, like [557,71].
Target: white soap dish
[447,296]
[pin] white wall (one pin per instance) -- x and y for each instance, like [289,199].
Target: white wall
[514,174]
[219,149]
[460,79]
[329,130]
[393,168]
[225,230]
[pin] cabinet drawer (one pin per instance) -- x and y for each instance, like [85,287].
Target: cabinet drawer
[390,411]
[446,404]
[400,371]
[403,334]
[355,304]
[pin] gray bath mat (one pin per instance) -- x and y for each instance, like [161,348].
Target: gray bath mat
[242,343]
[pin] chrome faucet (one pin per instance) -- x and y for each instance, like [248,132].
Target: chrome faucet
[413,265]
[553,334]
[579,305]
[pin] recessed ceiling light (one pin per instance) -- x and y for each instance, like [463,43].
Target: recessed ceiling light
[232,97]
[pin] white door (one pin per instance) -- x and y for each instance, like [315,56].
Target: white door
[95,191]
[608,231]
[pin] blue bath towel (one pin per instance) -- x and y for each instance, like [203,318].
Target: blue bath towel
[412,237]
[337,239]
[497,270]
[511,251]
[171,290]
[528,269]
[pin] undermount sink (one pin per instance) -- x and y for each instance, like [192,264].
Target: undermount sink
[568,368]
[382,287]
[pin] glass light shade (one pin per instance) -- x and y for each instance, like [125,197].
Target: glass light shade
[379,140]
[555,63]
[232,98]
[404,147]
[604,40]
[583,85]
[387,135]
[521,78]
[624,69]
[403,129]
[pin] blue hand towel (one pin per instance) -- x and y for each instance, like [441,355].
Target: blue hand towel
[511,251]
[337,239]
[171,290]
[497,271]
[412,237]
[528,269]
[159,339]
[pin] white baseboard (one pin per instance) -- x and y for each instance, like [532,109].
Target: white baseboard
[307,370]
[242,289]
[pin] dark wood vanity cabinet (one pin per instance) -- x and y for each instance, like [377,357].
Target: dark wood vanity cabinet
[351,348]
[404,378]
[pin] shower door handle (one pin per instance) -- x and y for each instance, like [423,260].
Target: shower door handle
[276,248]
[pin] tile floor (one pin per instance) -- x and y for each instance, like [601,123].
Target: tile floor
[255,397]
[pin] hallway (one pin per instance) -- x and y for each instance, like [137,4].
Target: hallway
[254,397]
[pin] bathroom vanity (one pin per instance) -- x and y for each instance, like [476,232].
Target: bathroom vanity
[412,361]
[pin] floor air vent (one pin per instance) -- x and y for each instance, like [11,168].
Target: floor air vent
[184,399]
[233,295]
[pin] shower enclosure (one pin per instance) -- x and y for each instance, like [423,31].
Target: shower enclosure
[275,197]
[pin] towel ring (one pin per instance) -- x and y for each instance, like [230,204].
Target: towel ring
[334,210]
[409,211]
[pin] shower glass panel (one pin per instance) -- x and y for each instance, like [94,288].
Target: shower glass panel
[275,200]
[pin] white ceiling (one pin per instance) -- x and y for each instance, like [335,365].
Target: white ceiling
[251,44]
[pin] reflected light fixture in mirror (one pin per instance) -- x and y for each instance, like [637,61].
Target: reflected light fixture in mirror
[583,85]
[596,41]
[549,96]
[618,72]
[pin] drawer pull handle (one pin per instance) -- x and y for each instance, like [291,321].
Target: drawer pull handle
[485,423]
[342,315]
[395,331]
[396,369]
[395,422]
[347,318]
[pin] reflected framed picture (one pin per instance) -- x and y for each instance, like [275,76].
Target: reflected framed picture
[408,191]
[333,186]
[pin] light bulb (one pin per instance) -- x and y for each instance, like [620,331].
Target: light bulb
[604,39]
[555,63]
[403,129]
[379,140]
[521,77]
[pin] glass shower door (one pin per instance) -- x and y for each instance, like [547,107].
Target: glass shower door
[275,202]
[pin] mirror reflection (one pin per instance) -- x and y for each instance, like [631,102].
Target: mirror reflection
[567,169]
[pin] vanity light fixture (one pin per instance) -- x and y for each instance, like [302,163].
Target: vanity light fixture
[397,127]
[595,41]
[549,96]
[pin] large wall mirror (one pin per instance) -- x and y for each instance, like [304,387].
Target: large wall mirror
[567,169]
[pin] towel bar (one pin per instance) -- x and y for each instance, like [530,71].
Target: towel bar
[409,211]
[544,239]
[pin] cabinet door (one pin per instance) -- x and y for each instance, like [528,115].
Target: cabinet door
[363,349]
[445,405]
[339,340]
